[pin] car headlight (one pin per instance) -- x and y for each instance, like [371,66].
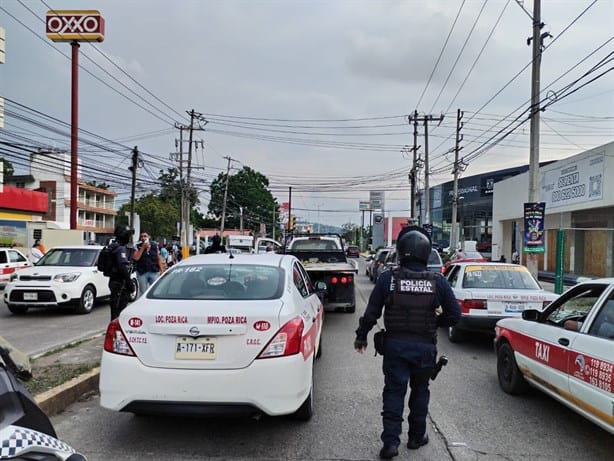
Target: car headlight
[67,278]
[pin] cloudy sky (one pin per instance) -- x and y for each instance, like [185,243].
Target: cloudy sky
[313,94]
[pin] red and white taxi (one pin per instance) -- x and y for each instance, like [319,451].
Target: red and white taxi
[217,334]
[488,292]
[566,351]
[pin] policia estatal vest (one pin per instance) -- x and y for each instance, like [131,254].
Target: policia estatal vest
[411,295]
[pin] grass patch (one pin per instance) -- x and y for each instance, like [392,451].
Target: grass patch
[46,377]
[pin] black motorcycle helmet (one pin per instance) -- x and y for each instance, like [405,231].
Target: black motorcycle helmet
[413,245]
[123,233]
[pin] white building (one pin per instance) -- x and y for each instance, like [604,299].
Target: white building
[579,200]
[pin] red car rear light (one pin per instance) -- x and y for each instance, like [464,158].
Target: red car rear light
[468,304]
[115,341]
[343,279]
[287,341]
[7,270]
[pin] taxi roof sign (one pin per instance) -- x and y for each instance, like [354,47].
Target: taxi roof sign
[74,25]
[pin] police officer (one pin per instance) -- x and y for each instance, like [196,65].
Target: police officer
[411,295]
[120,281]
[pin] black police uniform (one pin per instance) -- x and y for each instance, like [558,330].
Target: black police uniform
[410,295]
[120,282]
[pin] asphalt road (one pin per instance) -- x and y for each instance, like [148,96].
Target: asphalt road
[41,330]
[470,417]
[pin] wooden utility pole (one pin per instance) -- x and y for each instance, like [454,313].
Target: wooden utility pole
[417,162]
[225,197]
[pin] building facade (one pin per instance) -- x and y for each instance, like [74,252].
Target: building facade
[50,173]
[579,206]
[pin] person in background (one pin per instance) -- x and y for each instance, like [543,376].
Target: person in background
[515,257]
[164,255]
[120,280]
[148,262]
[411,295]
[37,251]
[216,245]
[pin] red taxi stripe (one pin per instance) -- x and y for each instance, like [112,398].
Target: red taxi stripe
[310,336]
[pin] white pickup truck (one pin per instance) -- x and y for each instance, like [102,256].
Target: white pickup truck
[325,260]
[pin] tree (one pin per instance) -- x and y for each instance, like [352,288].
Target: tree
[8,169]
[248,199]
[100,185]
[349,232]
[158,217]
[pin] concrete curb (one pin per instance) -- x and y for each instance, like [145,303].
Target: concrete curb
[56,400]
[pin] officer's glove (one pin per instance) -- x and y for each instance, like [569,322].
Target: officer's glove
[360,345]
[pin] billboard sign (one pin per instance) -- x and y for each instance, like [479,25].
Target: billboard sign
[376,199]
[364,205]
[573,182]
[75,25]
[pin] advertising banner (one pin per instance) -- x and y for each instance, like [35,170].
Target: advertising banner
[573,182]
[534,215]
[12,233]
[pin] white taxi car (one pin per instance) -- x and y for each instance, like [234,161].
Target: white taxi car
[65,275]
[11,260]
[217,334]
[488,292]
[566,351]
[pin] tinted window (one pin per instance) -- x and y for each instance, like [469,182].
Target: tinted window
[220,281]
[3,257]
[434,258]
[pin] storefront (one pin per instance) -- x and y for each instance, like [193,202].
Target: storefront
[579,202]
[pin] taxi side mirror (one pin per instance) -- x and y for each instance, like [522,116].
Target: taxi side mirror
[532,315]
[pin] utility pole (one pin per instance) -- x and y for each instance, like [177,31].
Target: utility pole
[424,119]
[414,169]
[132,168]
[537,42]
[186,186]
[459,167]
[225,196]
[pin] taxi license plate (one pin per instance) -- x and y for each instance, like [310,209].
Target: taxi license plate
[30,296]
[195,348]
[514,307]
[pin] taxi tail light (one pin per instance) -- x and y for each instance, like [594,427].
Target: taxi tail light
[7,270]
[468,304]
[115,341]
[287,341]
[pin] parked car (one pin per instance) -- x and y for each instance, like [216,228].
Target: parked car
[217,335]
[64,276]
[488,292]
[352,251]
[378,263]
[434,263]
[566,351]
[368,263]
[11,260]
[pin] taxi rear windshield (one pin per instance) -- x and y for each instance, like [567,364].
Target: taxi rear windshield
[499,278]
[221,282]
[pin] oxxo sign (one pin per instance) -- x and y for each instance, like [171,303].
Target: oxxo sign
[75,25]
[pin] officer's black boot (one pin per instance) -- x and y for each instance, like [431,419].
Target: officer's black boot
[388,452]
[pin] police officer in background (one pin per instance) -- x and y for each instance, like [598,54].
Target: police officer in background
[120,281]
[411,295]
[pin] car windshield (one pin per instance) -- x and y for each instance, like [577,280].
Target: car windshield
[499,278]
[220,281]
[434,258]
[314,244]
[81,257]
[471,255]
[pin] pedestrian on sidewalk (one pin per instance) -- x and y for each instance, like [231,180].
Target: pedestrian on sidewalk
[148,262]
[37,251]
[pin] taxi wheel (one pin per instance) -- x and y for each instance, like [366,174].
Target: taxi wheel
[134,290]
[455,335]
[305,411]
[18,310]
[510,377]
[86,301]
